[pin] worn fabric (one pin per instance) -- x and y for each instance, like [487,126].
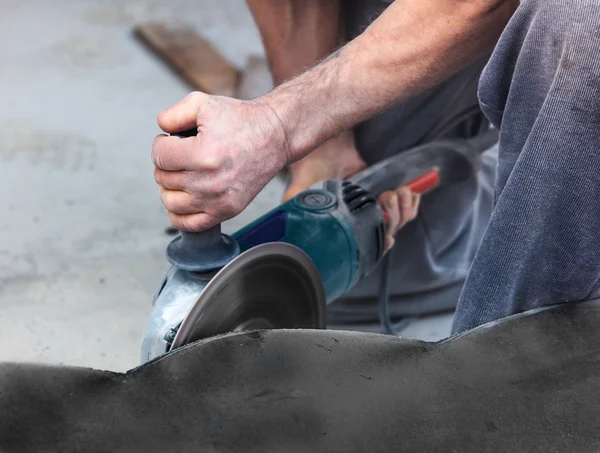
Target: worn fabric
[541,89]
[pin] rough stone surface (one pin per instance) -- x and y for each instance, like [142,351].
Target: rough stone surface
[527,384]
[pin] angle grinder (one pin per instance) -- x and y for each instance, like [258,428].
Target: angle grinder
[282,269]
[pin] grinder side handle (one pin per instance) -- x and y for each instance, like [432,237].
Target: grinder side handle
[204,251]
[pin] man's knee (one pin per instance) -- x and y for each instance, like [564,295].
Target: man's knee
[559,37]
[560,15]
[543,37]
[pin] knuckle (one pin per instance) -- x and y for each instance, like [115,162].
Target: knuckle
[221,185]
[161,177]
[226,208]
[167,199]
[193,95]
[195,98]
[175,202]
[207,161]
[170,179]
[162,117]
[221,188]
[178,222]
[195,200]
[230,205]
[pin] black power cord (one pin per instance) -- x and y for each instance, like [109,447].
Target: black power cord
[481,142]
[384,300]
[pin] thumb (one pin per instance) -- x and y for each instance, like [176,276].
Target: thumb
[182,115]
[389,205]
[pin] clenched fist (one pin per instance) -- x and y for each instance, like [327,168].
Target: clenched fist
[212,177]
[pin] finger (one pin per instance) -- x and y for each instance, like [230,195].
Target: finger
[193,222]
[388,243]
[389,204]
[416,202]
[405,203]
[179,202]
[173,180]
[174,153]
[182,115]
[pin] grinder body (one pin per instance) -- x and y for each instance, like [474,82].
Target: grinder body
[338,224]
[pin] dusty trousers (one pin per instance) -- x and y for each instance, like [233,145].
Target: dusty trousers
[541,89]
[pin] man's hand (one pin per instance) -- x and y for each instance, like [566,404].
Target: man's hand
[241,145]
[212,177]
[339,159]
[399,207]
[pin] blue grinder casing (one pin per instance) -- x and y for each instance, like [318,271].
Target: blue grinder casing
[338,224]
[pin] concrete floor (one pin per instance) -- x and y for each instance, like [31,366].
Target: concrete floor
[81,226]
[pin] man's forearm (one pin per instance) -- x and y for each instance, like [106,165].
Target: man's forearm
[296,33]
[412,46]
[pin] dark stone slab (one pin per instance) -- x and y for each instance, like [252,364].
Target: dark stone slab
[529,383]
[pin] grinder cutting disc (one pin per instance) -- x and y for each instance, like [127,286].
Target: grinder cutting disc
[271,286]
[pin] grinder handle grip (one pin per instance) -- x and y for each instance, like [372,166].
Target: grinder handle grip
[198,239]
[204,251]
[425,183]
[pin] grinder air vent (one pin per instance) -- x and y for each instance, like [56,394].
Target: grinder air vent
[355,197]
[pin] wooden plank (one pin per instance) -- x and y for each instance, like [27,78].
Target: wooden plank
[190,56]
